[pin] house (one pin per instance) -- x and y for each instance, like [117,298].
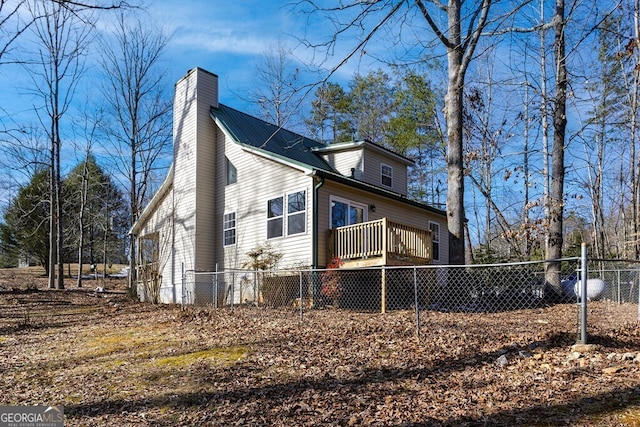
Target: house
[237,182]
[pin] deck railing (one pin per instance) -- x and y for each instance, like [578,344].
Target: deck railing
[381,242]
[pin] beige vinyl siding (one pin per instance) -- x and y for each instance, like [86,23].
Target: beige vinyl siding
[258,180]
[184,182]
[206,167]
[373,161]
[194,161]
[343,161]
[396,211]
[161,222]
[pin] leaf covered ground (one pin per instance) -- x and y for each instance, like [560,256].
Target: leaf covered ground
[111,361]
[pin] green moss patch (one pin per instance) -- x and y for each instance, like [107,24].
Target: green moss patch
[227,356]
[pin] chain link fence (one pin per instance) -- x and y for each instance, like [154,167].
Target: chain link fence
[464,289]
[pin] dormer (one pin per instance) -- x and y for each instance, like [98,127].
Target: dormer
[368,162]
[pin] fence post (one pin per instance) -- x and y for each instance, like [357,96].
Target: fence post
[583,294]
[214,283]
[300,294]
[415,296]
[184,284]
[383,291]
[233,290]
[637,278]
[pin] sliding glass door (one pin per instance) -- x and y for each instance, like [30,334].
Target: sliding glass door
[346,212]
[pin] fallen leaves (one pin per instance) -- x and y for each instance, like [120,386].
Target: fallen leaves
[110,361]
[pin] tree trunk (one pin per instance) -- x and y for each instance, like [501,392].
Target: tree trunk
[633,166]
[134,217]
[52,226]
[59,233]
[453,113]
[556,208]
[84,190]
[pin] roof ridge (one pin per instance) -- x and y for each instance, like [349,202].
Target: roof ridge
[267,123]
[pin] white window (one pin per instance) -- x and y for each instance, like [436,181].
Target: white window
[296,212]
[294,217]
[386,175]
[435,239]
[275,218]
[345,212]
[229,229]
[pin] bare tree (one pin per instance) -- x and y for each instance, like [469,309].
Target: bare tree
[559,114]
[14,22]
[279,86]
[137,110]
[82,196]
[12,25]
[458,26]
[62,37]
[630,59]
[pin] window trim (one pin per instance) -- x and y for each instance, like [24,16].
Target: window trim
[225,228]
[281,216]
[383,175]
[435,240]
[302,213]
[286,215]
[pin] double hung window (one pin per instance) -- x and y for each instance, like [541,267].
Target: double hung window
[229,229]
[435,239]
[386,175]
[293,215]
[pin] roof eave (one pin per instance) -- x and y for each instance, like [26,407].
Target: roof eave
[376,190]
[362,143]
[153,203]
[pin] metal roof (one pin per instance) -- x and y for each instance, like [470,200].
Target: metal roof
[282,143]
[249,130]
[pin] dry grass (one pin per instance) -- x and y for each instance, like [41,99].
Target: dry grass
[111,361]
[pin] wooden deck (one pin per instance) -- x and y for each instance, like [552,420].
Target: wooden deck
[380,243]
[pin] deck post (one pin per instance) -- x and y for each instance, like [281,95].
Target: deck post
[385,239]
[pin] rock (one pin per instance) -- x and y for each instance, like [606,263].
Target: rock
[502,361]
[574,355]
[612,370]
[629,356]
[583,348]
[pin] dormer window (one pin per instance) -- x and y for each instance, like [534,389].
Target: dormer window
[386,175]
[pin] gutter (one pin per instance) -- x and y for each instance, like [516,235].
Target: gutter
[314,245]
[376,190]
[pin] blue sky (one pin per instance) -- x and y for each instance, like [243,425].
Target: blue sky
[230,38]
[226,38]
[223,37]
